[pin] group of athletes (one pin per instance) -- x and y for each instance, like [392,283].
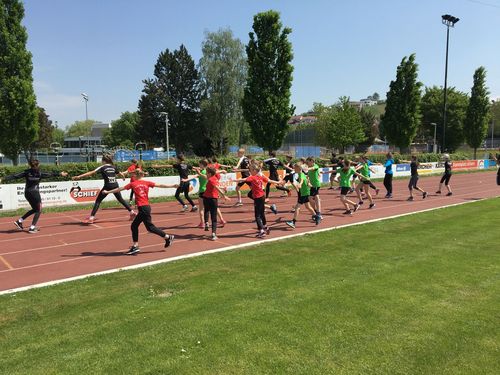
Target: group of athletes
[303,176]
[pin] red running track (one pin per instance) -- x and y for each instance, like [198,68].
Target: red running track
[66,248]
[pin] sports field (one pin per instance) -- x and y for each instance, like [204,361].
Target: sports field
[414,295]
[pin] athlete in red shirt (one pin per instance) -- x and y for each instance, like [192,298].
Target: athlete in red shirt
[211,200]
[130,171]
[141,190]
[256,182]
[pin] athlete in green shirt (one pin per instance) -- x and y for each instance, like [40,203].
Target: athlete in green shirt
[344,174]
[301,185]
[313,173]
[364,169]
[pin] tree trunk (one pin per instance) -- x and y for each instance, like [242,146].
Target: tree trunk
[475,153]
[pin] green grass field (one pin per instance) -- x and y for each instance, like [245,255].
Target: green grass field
[415,295]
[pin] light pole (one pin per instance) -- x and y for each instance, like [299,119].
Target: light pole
[492,125]
[434,146]
[86,99]
[448,21]
[166,132]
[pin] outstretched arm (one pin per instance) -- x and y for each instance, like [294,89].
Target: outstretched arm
[89,173]
[113,191]
[165,186]
[14,176]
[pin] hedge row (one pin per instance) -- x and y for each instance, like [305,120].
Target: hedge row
[75,169]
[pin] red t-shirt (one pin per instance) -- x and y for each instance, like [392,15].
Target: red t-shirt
[256,182]
[141,190]
[211,191]
[131,170]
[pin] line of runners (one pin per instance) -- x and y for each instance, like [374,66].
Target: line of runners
[303,177]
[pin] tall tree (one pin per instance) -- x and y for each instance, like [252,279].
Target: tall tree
[339,125]
[402,112]
[80,128]
[266,101]
[432,112]
[175,89]
[18,112]
[370,128]
[122,132]
[223,74]
[476,118]
[45,130]
[495,116]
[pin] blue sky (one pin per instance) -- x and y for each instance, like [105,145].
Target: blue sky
[105,48]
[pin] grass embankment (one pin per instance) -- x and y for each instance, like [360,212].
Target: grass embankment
[415,295]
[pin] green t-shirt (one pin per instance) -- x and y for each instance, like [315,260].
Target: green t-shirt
[304,189]
[313,174]
[203,181]
[345,176]
[365,171]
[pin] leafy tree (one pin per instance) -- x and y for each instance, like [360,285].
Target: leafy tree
[432,112]
[58,136]
[122,131]
[476,118]
[80,128]
[223,74]
[339,125]
[495,116]
[18,112]
[376,96]
[175,89]
[402,112]
[45,131]
[370,128]
[266,101]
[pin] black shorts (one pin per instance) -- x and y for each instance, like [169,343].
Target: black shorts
[445,179]
[200,194]
[303,199]
[344,190]
[366,182]
[240,184]
[413,182]
[288,178]
[314,191]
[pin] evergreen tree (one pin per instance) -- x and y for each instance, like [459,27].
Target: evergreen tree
[432,112]
[175,89]
[339,125]
[223,75]
[402,112]
[370,128]
[266,101]
[45,131]
[476,118]
[18,112]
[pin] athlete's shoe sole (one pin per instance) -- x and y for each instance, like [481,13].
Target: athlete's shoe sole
[169,240]
[19,225]
[133,250]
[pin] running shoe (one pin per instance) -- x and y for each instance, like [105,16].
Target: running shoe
[274,209]
[169,240]
[194,209]
[261,234]
[201,225]
[268,230]
[449,194]
[133,250]
[438,192]
[291,224]
[356,207]
[410,199]
[389,196]
[360,203]
[34,230]
[184,208]
[238,204]
[347,212]
[317,219]
[132,215]
[222,223]
[424,195]
[371,205]
[206,227]
[18,224]
[214,237]
[89,220]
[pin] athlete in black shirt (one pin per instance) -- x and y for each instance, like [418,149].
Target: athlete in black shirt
[242,167]
[446,176]
[412,184]
[183,169]
[33,175]
[109,173]
[272,164]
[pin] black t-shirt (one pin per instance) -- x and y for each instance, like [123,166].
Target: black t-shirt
[32,176]
[182,169]
[414,168]
[290,165]
[273,164]
[447,167]
[244,164]
[108,173]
